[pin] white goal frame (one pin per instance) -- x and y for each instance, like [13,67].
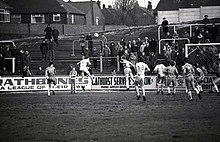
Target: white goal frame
[199,44]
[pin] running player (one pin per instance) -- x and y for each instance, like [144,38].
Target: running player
[217,80]
[200,78]
[160,69]
[127,71]
[188,72]
[172,74]
[141,67]
[83,67]
[50,76]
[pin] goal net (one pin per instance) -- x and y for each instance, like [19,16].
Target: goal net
[204,54]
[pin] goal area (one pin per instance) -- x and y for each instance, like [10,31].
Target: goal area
[205,54]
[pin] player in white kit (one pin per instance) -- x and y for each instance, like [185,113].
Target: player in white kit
[188,72]
[127,71]
[83,67]
[160,69]
[141,67]
[171,75]
[50,76]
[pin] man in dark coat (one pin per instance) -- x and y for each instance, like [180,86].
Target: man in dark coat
[48,30]
[165,26]
[55,34]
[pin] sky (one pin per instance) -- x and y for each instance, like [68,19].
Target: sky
[142,3]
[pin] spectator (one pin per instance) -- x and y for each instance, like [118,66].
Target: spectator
[106,51]
[90,42]
[40,71]
[142,47]
[51,46]
[122,42]
[197,31]
[44,50]
[152,45]
[114,53]
[103,39]
[134,48]
[193,39]
[168,52]
[165,26]
[2,64]
[27,62]
[146,40]
[207,36]
[48,31]
[87,52]
[205,20]
[214,32]
[9,60]
[129,45]
[82,43]
[120,53]
[204,70]
[200,38]
[4,72]
[21,60]
[143,58]
[55,34]
[95,54]
[139,43]
[180,59]
[152,60]
[185,34]
[147,50]
[175,34]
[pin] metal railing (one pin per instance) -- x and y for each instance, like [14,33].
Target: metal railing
[13,64]
[173,39]
[182,25]
[75,41]
[101,60]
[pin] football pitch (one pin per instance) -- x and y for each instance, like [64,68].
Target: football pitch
[108,117]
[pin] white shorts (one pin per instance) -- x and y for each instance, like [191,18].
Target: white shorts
[85,70]
[127,72]
[139,80]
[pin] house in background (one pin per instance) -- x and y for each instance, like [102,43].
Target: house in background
[140,16]
[45,11]
[5,12]
[137,16]
[94,15]
[111,15]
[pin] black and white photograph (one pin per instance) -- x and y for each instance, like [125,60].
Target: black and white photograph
[109,70]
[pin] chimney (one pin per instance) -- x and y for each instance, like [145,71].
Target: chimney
[103,6]
[99,4]
[149,5]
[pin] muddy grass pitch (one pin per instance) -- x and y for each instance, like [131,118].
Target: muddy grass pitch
[108,117]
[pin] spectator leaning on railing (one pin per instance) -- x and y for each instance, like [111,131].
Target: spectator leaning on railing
[44,50]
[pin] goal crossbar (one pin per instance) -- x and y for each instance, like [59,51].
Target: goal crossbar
[198,44]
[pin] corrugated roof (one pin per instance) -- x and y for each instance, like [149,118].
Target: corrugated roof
[41,6]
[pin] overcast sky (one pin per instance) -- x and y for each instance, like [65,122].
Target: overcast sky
[109,2]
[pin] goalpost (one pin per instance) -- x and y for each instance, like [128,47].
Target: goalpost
[205,54]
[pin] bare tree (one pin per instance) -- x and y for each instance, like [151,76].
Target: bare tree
[123,6]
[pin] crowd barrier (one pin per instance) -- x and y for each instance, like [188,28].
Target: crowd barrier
[19,84]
